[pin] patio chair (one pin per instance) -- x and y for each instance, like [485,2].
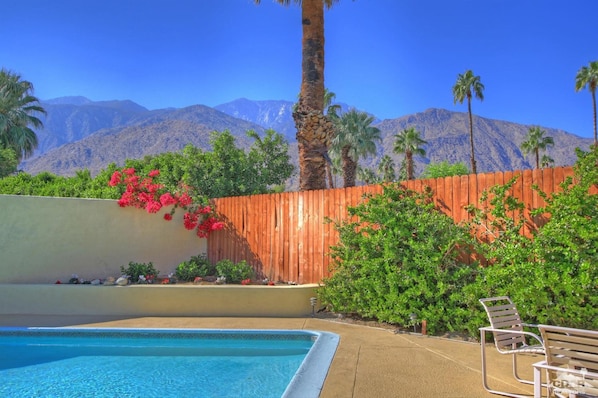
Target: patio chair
[510,338]
[571,362]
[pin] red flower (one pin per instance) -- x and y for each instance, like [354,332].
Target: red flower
[130,171]
[167,199]
[154,173]
[190,220]
[153,206]
[217,226]
[246,281]
[185,200]
[168,216]
[205,210]
[115,179]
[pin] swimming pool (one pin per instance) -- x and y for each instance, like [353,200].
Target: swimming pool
[114,362]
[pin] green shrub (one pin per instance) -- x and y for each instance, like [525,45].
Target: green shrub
[194,267]
[134,270]
[234,272]
[400,257]
[551,277]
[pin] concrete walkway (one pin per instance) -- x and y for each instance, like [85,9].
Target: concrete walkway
[369,362]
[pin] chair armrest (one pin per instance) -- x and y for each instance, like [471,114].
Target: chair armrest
[533,335]
[530,325]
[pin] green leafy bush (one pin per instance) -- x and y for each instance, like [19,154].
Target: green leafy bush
[552,276]
[194,267]
[400,256]
[234,272]
[134,270]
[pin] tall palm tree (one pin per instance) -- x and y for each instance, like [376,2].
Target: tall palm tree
[313,129]
[535,141]
[467,86]
[409,142]
[355,138]
[18,107]
[588,76]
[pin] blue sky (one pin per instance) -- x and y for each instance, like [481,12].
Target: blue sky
[387,57]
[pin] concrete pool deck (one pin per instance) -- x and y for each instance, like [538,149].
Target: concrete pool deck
[369,361]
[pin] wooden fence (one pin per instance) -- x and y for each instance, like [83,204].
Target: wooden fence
[285,237]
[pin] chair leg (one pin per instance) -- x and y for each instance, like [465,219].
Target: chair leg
[484,371]
[518,378]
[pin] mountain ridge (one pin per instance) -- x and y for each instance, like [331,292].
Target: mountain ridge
[93,134]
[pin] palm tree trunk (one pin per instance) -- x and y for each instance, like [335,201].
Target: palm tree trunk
[409,156]
[349,168]
[329,174]
[473,165]
[594,105]
[311,124]
[537,158]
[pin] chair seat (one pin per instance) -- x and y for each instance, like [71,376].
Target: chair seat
[527,349]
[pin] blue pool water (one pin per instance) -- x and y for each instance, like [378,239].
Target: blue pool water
[66,362]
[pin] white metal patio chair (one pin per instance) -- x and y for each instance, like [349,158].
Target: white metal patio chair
[571,362]
[509,337]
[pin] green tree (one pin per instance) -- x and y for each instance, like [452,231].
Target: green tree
[535,141]
[587,76]
[309,117]
[467,86]
[18,108]
[355,138]
[546,161]
[386,168]
[8,162]
[269,159]
[444,169]
[228,171]
[409,142]
[367,175]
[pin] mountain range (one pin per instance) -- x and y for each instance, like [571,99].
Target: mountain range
[79,133]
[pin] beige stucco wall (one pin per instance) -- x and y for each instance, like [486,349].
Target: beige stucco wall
[156,300]
[47,239]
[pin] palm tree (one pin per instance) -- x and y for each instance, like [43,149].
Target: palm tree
[387,169]
[355,138]
[409,142]
[546,161]
[17,109]
[535,141]
[588,76]
[313,129]
[463,89]
[367,175]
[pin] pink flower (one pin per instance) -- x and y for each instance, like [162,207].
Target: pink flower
[185,200]
[190,221]
[130,171]
[154,173]
[167,199]
[115,179]
[218,225]
[205,210]
[153,206]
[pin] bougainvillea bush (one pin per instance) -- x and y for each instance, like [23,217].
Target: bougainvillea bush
[145,193]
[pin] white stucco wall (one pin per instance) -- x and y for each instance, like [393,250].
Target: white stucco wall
[47,239]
